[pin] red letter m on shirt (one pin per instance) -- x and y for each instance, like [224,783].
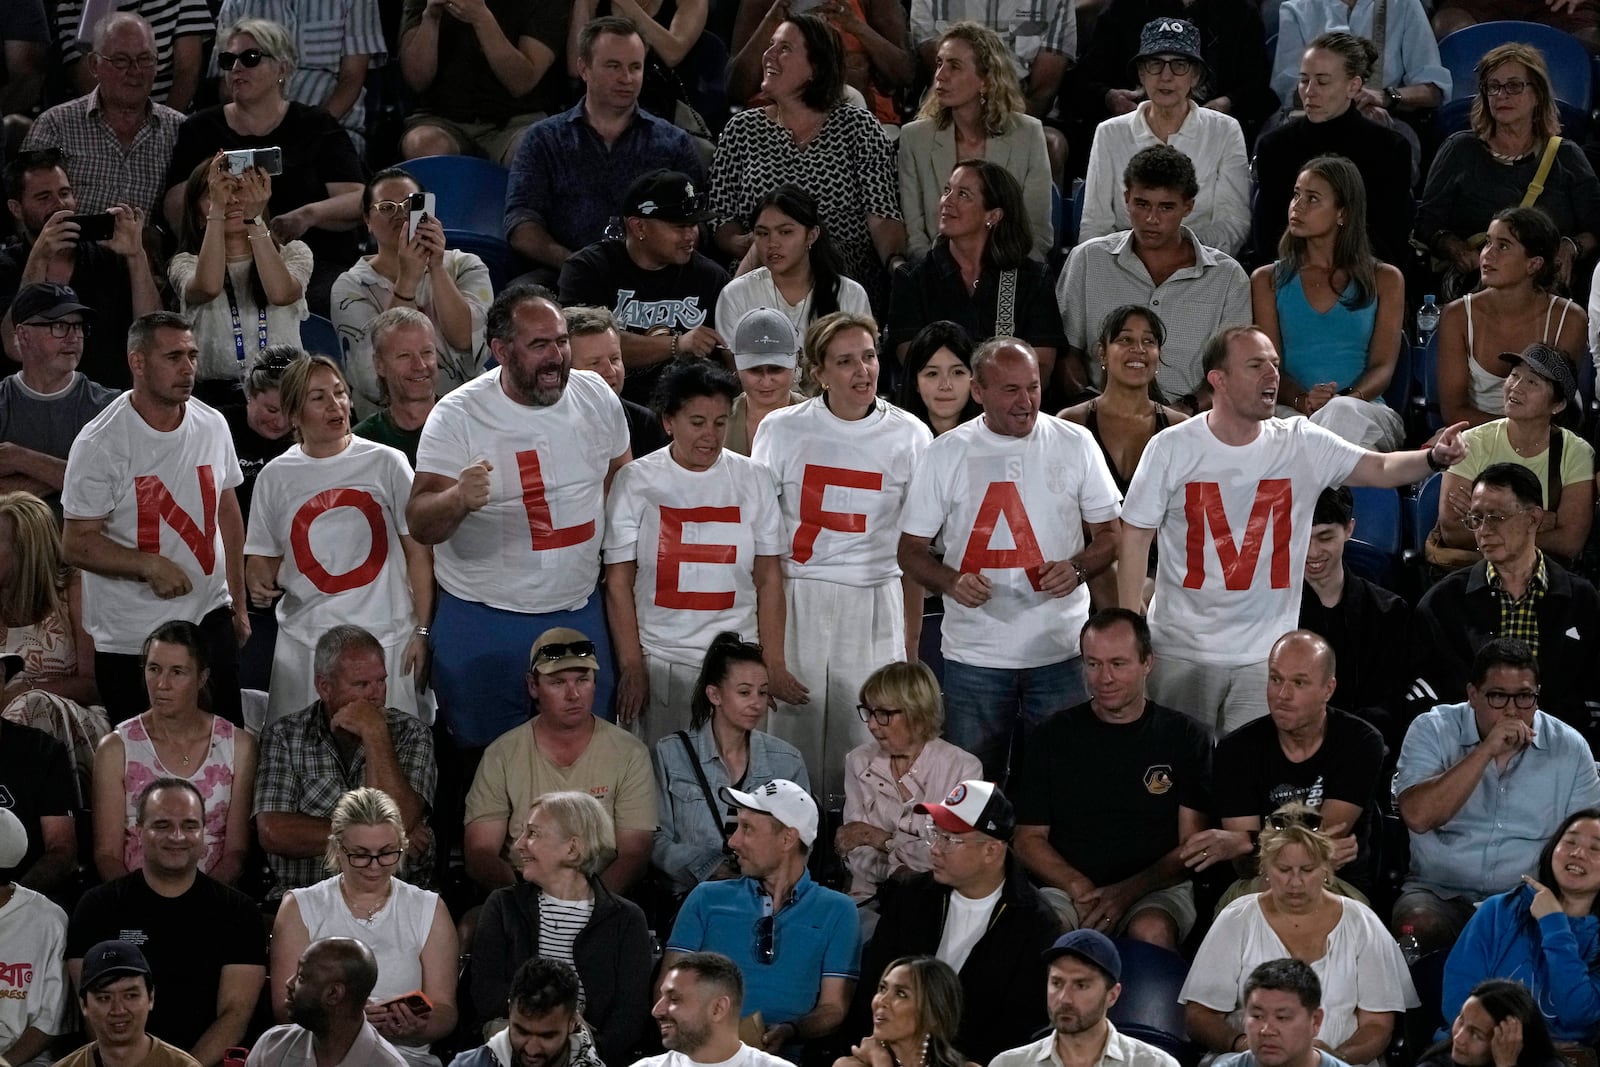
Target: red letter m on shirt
[1202,510]
[155,506]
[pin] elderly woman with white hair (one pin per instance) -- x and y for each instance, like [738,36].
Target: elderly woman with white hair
[561,910]
[408,929]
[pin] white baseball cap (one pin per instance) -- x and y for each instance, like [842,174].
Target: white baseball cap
[784,801]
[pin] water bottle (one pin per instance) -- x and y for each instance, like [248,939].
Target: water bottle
[1410,947]
[1427,318]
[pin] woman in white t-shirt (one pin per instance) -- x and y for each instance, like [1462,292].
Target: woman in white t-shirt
[843,462]
[242,291]
[1365,984]
[692,542]
[328,534]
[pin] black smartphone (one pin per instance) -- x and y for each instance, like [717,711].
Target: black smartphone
[95,227]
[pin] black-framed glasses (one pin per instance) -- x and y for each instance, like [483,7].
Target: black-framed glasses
[1513,87]
[125,63]
[881,716]
[1154,65]
[1477,520]
[60,330]
[562,650]
[766,947]
[366,859]
[1282,820]
[250,57]
[1524,699]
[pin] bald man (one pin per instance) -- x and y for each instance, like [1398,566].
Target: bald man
[327,1011]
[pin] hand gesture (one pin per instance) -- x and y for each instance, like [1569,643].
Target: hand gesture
[1505,1044]
[473,485]
[1121,101]
[1448,448]
[1104,908]
[970,590]
[255,189]
[1544,902]
[429,242]
[361,719]
[1058,578]
[470,12]
[633,692]
[786,687]
[1459,501]
[58,237]
[415,655]
[165,578]
[1209,847]
[1319,395]
[700,341]
[241,625]
[1507,736]
[291,224]
[127,233]
[261,581]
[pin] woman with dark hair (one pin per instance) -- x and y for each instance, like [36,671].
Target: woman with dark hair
[937,382]
[448,285]
[328,541]
[660,509]
[915,1013]
[1544,934]
[175,738]
[849,607]
[722,747]
[980,273]
[1514,307]
[973,110]
[1498,1025]
[810,136]
[1332,310]
[1513,155]
[239,288]
[872,33]
[797,269]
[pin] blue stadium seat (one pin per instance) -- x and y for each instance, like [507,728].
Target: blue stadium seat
[1058,216]
[1148,1008]
[1374,552]
[1076,222]
[1571,74]
[1398,395]
[318,336]
[1427,364]
[471,203]
[1422,511]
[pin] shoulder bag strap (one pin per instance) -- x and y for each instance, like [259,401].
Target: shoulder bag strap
[705,786]
[1546,161]
[1005,307]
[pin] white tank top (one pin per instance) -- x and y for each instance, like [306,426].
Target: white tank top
[1484,386]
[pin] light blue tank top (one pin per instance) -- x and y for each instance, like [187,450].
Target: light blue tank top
[1323,346]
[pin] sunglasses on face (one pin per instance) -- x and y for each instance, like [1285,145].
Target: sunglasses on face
[250,57]
[552,652]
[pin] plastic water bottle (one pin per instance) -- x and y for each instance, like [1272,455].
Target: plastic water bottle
[1410,947]
[1427,317]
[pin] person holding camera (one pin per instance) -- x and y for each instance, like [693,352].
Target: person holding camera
[242,290]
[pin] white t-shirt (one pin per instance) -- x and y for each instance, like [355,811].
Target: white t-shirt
[1005,506]
[757,290]
[337,524]
[841,486]
[1234,523]
[157,493]
[745,1057]
[535,547]
[965,920]
[33,970]
[694,536]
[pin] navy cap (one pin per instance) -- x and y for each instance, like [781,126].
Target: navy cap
[1090,946]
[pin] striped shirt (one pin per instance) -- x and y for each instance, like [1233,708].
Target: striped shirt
[101,170]
[560,923]
[1028,27]
[169,20]
[324,33]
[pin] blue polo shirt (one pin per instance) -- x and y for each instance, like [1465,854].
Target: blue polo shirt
[568,180]
[1496,836]
[816,936]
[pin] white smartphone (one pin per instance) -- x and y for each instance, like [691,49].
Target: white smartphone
[419,204]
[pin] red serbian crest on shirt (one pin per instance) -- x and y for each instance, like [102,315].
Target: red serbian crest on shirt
[1203,512]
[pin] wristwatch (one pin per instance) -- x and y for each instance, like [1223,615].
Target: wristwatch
[1393,95]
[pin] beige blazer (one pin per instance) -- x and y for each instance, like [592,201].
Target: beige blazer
[928,155]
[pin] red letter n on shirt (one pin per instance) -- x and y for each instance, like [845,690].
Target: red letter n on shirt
[540,525]
[155,505]
[1202,509]
[814,518]
[672,554]
[1002,500]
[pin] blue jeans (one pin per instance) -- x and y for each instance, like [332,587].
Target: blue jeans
[984,705]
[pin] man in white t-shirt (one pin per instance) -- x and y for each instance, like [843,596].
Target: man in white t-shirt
[512,473]
[698,1013]
[152,521]
[1232,494]
[1011,494]
[33,942]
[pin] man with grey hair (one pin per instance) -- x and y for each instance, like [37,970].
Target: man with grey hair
[597,346]
[347,738]
[179,31]
[405,367]
[115,139]
[328,1012]
[1011,493]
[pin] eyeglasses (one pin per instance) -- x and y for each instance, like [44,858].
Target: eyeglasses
[366,859]
[1524,699]
[937,838]
[766,947]
[1154,65]
[1477,520]
[250,57]
[881,716]
[1283,820]
[125,63]
[61,330]
[557,651]
[1514,87]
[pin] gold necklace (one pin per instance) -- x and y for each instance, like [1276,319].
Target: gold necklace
[355,907]
[183,752]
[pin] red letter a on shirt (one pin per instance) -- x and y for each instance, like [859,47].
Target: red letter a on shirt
[1001,500]
[1202,508]
[540,525]
[155,506]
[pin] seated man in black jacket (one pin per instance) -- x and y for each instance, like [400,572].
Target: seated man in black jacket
[977,911]
[1514,591]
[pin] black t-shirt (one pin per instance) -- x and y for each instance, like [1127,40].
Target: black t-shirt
[645,434]
[1110,793]
[254,452]
[100,278]
[187,940]
[934,289]
[316,151]
[36,777]
[1254,777]
[673,299]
